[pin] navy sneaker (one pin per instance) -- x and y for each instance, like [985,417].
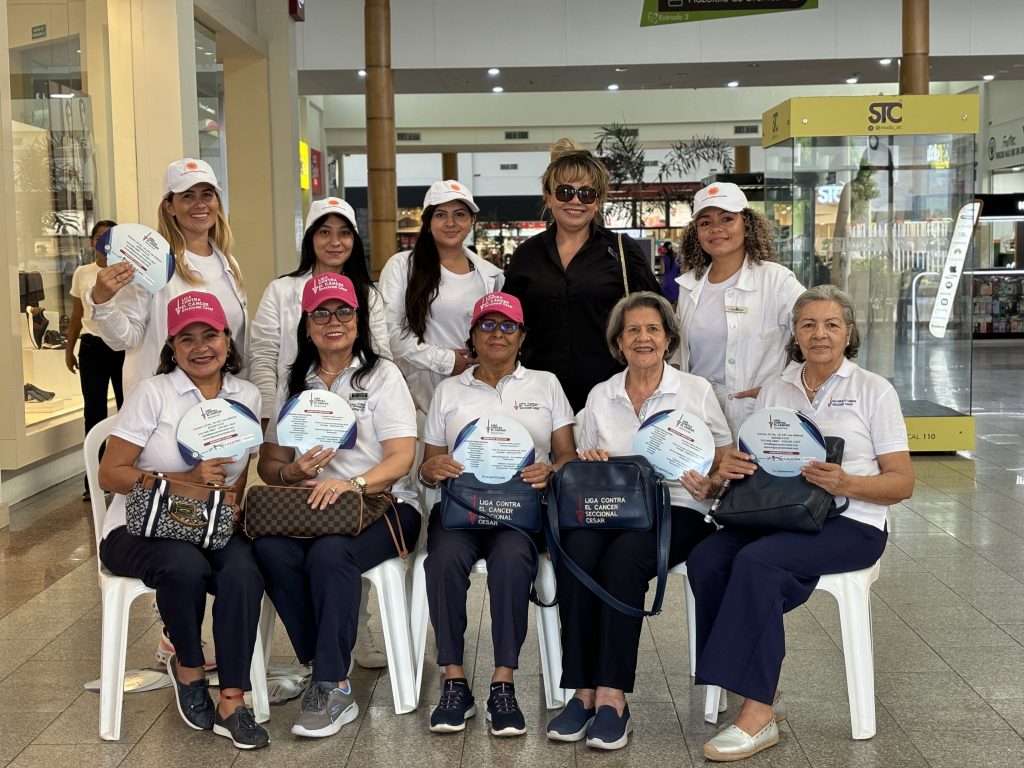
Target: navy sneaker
[503,711]
[610,730]
[455,707]
[241,727]
[572,723]
[194,703]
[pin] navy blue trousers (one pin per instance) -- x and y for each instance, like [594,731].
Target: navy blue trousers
[182,574]
[316,584]
[599,644]
[743,583]
[450,558]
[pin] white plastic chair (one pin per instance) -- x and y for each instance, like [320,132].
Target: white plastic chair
[852,592]
[118,593]
[548,628]
[389,579]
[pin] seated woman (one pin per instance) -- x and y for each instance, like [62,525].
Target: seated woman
[197,363]
[743,582]
[599,644]
[496,386]
[315,583]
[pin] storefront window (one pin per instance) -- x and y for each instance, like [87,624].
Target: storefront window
[210,91]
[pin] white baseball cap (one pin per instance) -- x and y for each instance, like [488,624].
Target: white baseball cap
[726,196]
[186,173]
[331,205]
[446,191]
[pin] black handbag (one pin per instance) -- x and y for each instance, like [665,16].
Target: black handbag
[469,503]
[764,502]
[201,515]
[623,493]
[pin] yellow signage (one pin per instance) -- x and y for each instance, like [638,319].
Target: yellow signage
[303,165]
[940,433]
[870,116]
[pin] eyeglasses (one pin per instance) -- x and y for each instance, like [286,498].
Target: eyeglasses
[564,193]
[506,326]
[323,316]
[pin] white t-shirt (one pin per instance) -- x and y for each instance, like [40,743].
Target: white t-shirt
[708,332]
[611,423]
[859,406]
[383,409]
[81,283]
[448,322]
[215,276]
[533,398]
[149,418]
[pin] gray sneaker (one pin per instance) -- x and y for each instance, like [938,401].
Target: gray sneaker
[325,708]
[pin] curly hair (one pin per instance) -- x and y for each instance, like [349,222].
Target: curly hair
[757,237]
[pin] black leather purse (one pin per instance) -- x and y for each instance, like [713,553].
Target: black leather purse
[623,493]
[764,502]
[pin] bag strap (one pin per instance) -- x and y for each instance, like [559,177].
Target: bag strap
[534,552]
[399,541]
[663,532]
[622,261]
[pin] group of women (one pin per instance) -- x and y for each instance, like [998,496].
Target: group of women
[442,342]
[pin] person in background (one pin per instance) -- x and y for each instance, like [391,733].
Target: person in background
[669,272]
[98,366]
[569,277]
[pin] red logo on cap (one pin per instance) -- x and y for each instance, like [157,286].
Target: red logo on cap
[334,201]
[191,165]
[455,187]
[712,190]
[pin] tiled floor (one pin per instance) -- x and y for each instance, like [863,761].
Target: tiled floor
[948,629]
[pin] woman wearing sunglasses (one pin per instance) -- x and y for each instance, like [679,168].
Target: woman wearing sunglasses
[315,583]
[430,291]
[496,386]
[570,276]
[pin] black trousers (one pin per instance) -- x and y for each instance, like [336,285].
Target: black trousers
[450,558]
[182,574]
[599,644]
[742,585]
[98,367]
[316,585]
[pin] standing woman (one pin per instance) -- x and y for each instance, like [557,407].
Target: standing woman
[570,276]
[430,292]
[734,300]
[191,219]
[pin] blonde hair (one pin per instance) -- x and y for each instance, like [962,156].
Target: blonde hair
[168,227]
[571,163]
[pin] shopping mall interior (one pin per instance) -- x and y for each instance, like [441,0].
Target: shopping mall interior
[98,96]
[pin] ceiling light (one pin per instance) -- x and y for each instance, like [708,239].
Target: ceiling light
[207,53]
[885,62]
[851,80]
[988,77]
[62,95]
[497,89]
[622,69]
[733,83]
[613,87]
[493,71]
[361,73]
[78,51]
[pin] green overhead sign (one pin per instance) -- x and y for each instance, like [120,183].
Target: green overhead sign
[657,12]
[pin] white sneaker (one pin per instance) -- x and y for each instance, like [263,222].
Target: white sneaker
[367,653]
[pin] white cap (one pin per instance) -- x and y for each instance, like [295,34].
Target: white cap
[186,173]
[726,196]
[331,205]
[446,191]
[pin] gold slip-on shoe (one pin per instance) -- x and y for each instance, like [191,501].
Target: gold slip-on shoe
[733,743]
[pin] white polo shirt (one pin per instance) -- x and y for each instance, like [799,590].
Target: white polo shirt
[611,423]
[383,409]
[857,405]
[149,418]
[533,398]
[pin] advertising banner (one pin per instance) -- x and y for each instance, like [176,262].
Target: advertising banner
[657,12]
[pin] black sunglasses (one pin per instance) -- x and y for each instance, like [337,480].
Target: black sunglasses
[323,316]
[564,193]
[506,326]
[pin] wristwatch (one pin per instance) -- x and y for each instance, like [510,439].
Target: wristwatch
[360,483]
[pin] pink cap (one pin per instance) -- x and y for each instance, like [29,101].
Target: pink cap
[195,307]
[326,287]
[502,303]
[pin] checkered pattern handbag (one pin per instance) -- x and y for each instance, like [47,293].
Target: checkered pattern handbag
[281,510]
[159,508]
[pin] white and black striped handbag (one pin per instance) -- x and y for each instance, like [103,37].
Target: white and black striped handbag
[199,514]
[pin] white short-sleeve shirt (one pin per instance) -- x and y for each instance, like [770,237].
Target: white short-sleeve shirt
[383,409]
[82,282]
[859,406]
[611,423]
[149,418]
[533,398]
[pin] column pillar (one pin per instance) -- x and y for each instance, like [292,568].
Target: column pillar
[450,165]
[742,156]
[914,64]
[382,181]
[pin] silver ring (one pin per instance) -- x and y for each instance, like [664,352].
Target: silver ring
[319,470]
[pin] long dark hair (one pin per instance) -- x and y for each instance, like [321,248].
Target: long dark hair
[308,355]
[354,269]
[233,363]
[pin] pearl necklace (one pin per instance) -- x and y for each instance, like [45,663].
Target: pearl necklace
[808,387]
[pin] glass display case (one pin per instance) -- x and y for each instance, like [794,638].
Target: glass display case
[870,189]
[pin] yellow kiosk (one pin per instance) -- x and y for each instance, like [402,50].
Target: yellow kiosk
[865,191]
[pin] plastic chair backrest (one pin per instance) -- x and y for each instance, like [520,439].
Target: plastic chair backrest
[91,448]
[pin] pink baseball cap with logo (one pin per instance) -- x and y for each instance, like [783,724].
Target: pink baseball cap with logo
[186,173]
[326,287]
[195,307]
[724,195]
[502,303]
